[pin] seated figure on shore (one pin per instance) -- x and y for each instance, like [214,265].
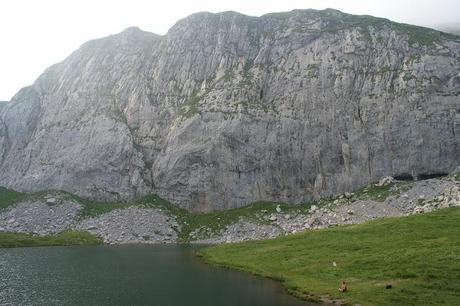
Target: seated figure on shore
[343,287]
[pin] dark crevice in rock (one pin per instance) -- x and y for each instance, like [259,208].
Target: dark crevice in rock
[427,176]
[404,177]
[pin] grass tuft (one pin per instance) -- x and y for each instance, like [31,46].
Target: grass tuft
[457,177]
[376,193]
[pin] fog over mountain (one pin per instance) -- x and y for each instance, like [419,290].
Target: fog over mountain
[453,27]
[37,34]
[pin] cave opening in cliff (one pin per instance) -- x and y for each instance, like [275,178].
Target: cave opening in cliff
[404,177]
[427,176]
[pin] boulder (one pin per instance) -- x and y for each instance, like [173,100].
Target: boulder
[385,181]
[51,201]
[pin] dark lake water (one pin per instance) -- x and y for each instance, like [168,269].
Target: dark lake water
[128,275]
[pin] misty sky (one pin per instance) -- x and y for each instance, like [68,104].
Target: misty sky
[38,33]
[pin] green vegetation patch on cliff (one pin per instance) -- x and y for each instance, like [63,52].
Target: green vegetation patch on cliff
[94,208]
[423,36]
[415,34]
[457,177]
[380,193]
[9,196]
[13,240]
[191,106]
[90,208]
[207,225]
[419,256]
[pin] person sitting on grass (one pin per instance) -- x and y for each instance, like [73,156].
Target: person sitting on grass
[343,287]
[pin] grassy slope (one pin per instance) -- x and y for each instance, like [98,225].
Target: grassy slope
[219,220]
[8,196]
[11,240]
[90,208]
[206,224]
[418,255]
[7,240]
[211,223]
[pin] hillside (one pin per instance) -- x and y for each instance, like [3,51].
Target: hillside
[226,109]
[417,256]
[155,220]
[453,28]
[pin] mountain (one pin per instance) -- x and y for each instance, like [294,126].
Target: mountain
[453,27]
[227,109]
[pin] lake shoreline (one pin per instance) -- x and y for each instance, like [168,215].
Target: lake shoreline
[168,274]
[205,254]
[68,238]
[305,296]
[365,255]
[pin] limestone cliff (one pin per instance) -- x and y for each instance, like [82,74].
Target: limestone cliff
[227,109]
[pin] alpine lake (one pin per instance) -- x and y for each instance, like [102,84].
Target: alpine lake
[161,275]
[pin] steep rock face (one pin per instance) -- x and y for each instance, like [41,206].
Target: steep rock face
[67,130]
[227,109]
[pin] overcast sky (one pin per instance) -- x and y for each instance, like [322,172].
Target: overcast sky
[38,33]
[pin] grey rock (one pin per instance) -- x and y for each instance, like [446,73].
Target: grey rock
[38,217]
[51,201]
[244,230]
[385,181]
[132,225]
[227,109]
